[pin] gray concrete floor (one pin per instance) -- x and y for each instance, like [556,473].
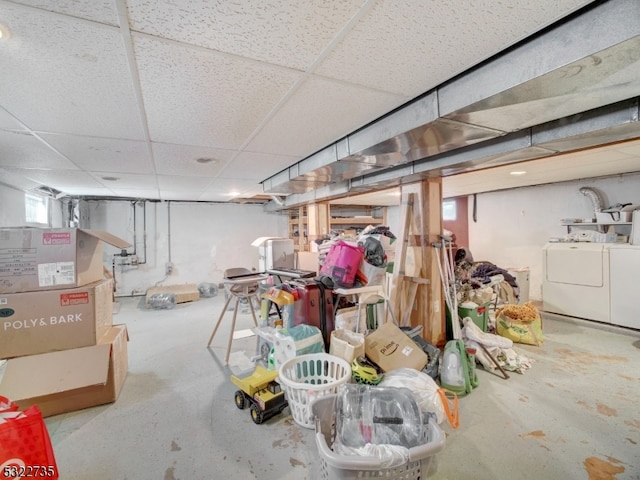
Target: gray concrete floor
[573,415]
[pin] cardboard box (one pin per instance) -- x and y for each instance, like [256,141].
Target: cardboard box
[69,380]
[36,259]
[346,344]
[41,322]
[391,348]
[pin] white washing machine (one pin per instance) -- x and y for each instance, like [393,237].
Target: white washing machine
[625,302]
[576,280]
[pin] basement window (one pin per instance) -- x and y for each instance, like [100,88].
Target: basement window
[449,210]
[36,209]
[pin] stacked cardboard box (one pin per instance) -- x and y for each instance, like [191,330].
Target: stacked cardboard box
[56,320]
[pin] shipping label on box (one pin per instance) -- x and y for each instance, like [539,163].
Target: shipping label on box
[40,322]
[390,348]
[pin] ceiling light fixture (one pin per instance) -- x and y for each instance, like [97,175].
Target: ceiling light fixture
[4,32]
[111,179]
[518,172]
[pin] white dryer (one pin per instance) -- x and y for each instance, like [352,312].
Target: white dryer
[576,280]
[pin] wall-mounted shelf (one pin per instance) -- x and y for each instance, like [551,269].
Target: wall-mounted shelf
[593,224]
[301,229]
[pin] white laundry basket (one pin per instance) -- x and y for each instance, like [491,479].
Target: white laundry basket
[334,466]
[306,378]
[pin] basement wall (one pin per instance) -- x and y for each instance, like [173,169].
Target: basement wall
[513,225]
[200,240]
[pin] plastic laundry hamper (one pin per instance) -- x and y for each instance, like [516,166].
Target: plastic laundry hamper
[306,378]
[347,467]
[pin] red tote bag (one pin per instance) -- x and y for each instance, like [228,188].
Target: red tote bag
[25,446]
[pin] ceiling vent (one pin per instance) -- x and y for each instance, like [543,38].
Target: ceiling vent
[49,191]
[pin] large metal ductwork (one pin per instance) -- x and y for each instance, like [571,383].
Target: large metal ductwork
[575,85]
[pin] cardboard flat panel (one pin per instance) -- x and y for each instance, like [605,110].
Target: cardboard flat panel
[38,375]
[69,380]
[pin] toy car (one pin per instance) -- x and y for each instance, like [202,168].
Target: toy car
[261,393]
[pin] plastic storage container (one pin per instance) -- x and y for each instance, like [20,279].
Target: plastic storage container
[308,377]
[342,263]
[479,315]
[341,467]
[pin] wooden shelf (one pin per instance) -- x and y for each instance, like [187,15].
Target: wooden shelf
[356,221]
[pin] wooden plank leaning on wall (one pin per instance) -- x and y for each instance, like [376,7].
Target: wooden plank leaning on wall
[415,283]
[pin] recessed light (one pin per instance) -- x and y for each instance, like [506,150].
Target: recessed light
[518,172]
[206,160]
[111,179]
[4,32]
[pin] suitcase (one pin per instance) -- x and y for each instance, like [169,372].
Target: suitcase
[314,306]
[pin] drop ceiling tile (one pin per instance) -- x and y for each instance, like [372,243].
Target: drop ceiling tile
[138,193]
[319,113]
[14,177]
[21,149]
[228,188]
[77,71]
[185,184]
[8,122]
[392,26]
[103,154]
[198,97]
[171,159]
[103,11]
[282,32]
[125,180]
[257,166]
[69,182]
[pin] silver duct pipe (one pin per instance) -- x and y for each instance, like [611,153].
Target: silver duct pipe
[594,196]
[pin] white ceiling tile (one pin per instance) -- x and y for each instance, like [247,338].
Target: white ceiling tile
[21,149]
[283,32]
[70,182]
[171,159]
[15,177]
[409,47]
[125,180]
[103,11]
[139,192]
[228,188]
[199,97]
[169,183]
[257,166]
[320,112]
[77,71]
[103,154]
[8,122]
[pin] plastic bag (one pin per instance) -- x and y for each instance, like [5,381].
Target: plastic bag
[378,416]
[162,300]
[430,397]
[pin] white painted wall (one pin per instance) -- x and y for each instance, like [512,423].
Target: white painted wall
[204,239]
[201,240]
[12,208]
[513,225]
